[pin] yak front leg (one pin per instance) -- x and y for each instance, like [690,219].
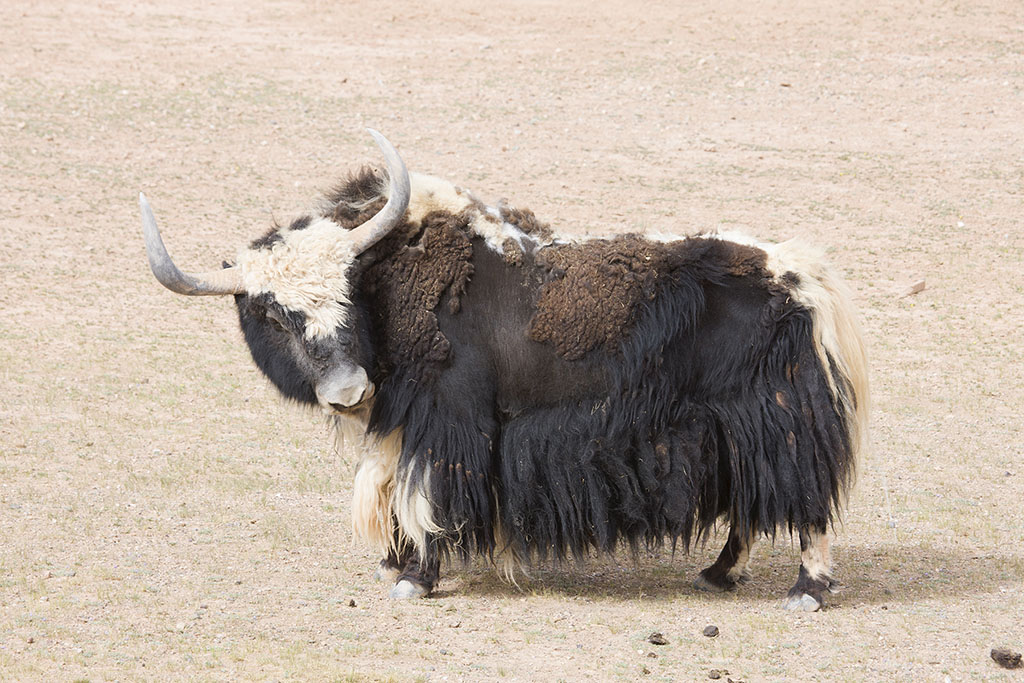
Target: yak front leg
[412,576]
[732,566]
[815,577]
[416,578]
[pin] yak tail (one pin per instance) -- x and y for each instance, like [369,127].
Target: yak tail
[837,335]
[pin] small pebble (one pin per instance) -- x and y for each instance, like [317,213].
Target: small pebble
[657,639]
[915,288]
[711,631]
[1006,658]
[351,603]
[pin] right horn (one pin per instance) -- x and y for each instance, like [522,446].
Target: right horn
[370,232]
[226,281]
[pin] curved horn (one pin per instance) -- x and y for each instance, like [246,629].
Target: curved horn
[370,232]
[226,281]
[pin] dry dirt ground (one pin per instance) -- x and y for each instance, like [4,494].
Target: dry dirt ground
[164,516]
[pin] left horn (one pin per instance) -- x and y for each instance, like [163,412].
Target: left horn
[226,281]
[371,232]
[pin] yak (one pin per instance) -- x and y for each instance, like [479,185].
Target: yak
[524,396]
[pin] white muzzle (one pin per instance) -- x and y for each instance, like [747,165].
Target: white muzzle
[344,388]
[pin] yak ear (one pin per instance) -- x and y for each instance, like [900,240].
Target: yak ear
[371,232]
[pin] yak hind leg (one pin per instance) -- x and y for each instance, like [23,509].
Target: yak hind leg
[732,566]
[815,577]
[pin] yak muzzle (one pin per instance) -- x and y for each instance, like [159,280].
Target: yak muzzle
[343,389]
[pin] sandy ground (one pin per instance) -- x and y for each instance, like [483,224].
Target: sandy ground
[164,516]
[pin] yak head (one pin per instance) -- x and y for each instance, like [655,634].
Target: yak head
[293,289]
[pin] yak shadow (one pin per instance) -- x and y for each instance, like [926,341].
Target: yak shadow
[868,574]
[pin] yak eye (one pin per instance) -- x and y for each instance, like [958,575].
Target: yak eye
[276,322]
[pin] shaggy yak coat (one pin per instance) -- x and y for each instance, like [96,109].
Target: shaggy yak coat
[546,398]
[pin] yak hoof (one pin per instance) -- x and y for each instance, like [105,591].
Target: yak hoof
[407,590]
[802,603]
[702,583]
[385,574]
[720,584]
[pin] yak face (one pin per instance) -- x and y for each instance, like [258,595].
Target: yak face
[294,296]
[296,313]
[331,370]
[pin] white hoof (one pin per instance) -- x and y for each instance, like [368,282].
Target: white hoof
[801,603]
[407,590]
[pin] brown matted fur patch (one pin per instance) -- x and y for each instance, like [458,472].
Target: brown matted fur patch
[598,286]
[358,198]
[527,221]
[408,285]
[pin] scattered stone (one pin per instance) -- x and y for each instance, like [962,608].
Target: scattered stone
[645,670]
[351,603]
[657,639]
[915,288]
[716,674]
[32,640]
[1006,658]
[711,631]
[652,655]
